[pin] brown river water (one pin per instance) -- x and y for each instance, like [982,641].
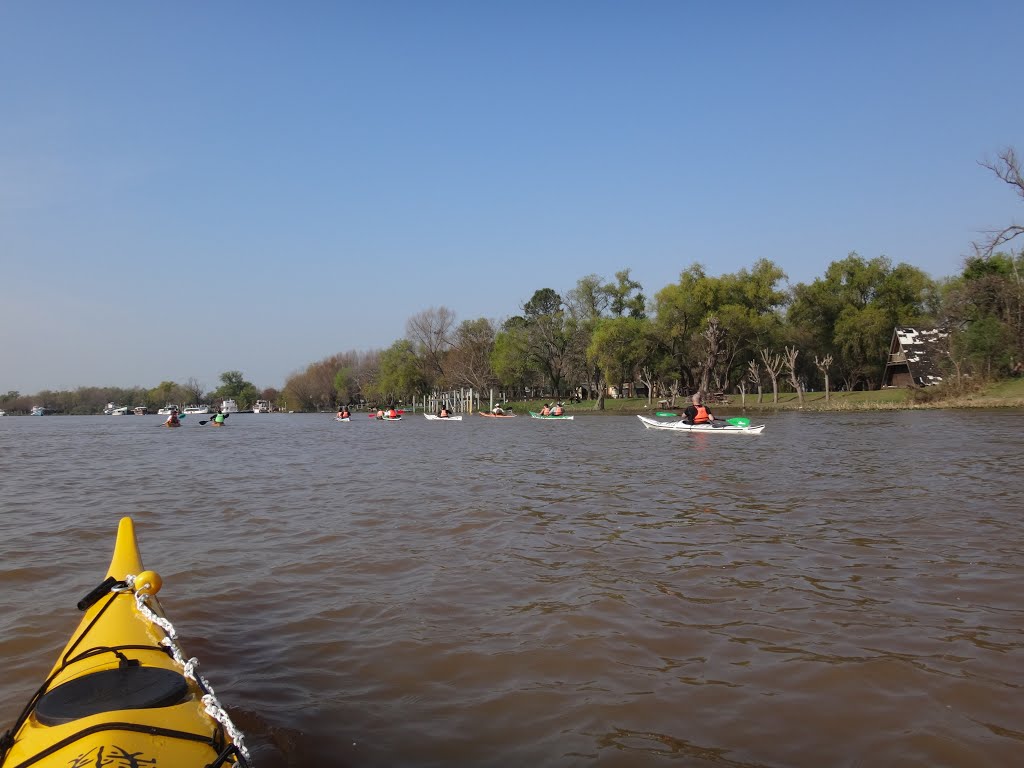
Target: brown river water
[841,590]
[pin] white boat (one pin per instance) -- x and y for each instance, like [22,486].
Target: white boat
[166,410]
[109,410]
[124,410]
[198,409]
[682,426]
[435,417]
[229,406]
[37,410]
[140,410]
[261,406]
[3,412]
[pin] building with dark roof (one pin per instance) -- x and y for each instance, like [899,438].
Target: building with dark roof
[914,357]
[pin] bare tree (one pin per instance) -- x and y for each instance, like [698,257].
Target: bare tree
[430,332]
[714,335]
[754,376]
[772,366]
[194,390]
[1007,168]
[823,365]
[791,354]
[469,363]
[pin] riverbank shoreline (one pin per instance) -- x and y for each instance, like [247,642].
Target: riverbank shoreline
[1005,394]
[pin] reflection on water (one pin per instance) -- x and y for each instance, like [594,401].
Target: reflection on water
[840,590]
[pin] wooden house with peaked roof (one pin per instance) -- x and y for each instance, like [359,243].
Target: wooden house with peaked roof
[914,356]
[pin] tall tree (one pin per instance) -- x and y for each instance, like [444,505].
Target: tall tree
[469,361]
[852,310]
[549,340]
[400,375]
[430,333]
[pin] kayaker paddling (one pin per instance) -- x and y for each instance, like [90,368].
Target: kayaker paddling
[697,412]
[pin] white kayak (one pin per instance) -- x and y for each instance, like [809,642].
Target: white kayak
[681,426]
[435,417]
[535,415]
[342,418]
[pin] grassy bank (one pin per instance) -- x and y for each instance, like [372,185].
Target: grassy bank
[1004,394]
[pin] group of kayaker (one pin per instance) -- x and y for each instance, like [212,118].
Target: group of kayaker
[344,413]
[174,420]
[556,409]
[389,413]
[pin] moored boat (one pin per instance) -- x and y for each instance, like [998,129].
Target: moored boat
[124,410]
[202,408]
[229,406]
[717,429]
[261,406]
[167,409]
[122,693]
[140,410]
[37,410]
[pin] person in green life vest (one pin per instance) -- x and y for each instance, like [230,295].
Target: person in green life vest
[219,419]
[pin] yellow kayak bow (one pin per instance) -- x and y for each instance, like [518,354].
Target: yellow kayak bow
[122,693]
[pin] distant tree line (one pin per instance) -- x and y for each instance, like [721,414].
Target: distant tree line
[92,400]
[745,331]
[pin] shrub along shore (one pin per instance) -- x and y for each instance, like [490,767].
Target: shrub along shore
[1003,394]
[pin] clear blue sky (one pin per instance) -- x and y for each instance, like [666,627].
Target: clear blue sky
[193,187]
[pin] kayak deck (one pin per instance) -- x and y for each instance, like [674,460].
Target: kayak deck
[121,692]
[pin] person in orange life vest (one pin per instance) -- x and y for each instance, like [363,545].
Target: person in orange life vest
[392,413]
[345,413]
[172,418]
[698,413]
[557,410]
[443,413]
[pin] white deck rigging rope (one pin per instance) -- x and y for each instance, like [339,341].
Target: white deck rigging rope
[212,705]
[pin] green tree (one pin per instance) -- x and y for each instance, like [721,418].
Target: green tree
[235,387]
[626,296]
[851,312]
[617,346]
[400,374]
[510,359]
[549,350]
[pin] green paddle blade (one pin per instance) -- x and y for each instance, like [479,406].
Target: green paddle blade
[664,413]
[739,421]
